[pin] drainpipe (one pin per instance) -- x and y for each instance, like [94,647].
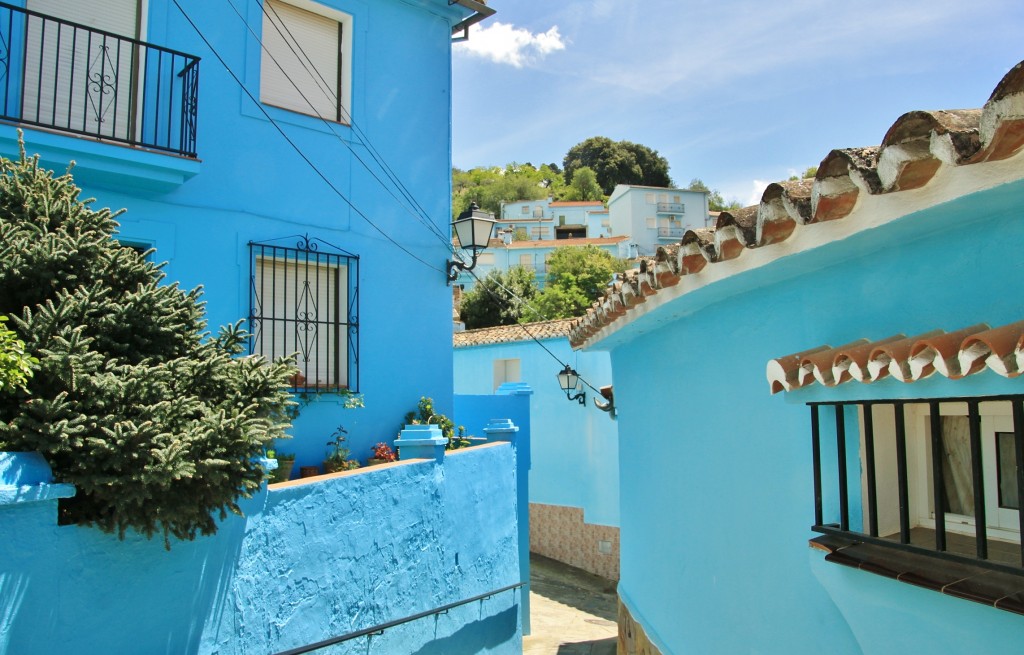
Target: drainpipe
[481,10]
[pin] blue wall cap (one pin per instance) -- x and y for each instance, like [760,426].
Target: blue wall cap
[26,477]
[514,389]
[499,425]
[421,431]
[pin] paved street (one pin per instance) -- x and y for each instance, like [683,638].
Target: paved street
[572,612]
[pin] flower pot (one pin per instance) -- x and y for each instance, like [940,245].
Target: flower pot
[283,472]
[333,466]
[308,471]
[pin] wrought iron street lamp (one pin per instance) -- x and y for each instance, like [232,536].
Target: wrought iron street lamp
[473,230]
[569,380]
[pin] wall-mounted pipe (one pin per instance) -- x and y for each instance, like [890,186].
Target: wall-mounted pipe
[481,11]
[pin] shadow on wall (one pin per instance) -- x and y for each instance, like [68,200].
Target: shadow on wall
[479,636]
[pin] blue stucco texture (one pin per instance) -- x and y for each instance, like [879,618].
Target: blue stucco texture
[308,561]
[716,483]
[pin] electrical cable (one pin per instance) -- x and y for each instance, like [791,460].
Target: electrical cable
[294,145]
[413,207]
[523,325]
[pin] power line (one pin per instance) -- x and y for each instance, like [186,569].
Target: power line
[523,302]
[413,208]
[294,145]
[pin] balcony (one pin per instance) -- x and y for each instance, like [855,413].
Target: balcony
[73,79]
[671,232]
[671,208]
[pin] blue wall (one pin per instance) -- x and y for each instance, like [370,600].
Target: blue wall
[250,185]
[575,448]
[308,561]
[716,473]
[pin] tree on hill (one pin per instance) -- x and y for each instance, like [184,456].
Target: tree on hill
[577,276]
[584,186]
[617,162]
[490,187]
[715,201]
[155,423]
[498,298]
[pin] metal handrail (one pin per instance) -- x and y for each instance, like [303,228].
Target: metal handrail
[66,76]
[381,627]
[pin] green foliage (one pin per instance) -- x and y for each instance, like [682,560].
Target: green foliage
[424,413]
[497,299]
[338,457]
[15,363]
[520,234]
[809,173]
[715,201]
[489,187]
[584,186]
[158,425]
[617,162]
[577,276]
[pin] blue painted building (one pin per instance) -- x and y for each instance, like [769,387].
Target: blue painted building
[548,218]
[290,156]
[574,476]
[872,504]
[533,255]
[655,216]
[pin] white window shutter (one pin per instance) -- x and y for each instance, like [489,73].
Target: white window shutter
[305,48]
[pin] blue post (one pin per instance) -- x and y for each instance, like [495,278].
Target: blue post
[503,429]
[421,442]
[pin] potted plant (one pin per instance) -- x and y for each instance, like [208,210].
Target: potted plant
[382,454]
[285,464]
[338,455]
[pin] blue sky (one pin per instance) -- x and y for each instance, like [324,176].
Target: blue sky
[735,92]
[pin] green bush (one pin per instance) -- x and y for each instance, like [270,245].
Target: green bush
[155,422]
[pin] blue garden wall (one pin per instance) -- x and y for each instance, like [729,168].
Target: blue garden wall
[309,560]
[716,474]
[248,184]
[575,447]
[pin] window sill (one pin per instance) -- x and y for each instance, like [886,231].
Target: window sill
[983,585]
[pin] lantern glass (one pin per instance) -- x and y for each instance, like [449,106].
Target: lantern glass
[568,379]
[473,228]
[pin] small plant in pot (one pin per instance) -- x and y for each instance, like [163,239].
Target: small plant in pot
[382,454]
[285,464]
[338,456]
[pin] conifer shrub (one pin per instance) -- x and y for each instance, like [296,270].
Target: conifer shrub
[156,422]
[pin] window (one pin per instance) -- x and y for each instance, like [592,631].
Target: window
[649,199]
[936,478]
[538,212]
[526,261]
[305,59]
[651,224]
[526,210]
[506,370]
[305,302]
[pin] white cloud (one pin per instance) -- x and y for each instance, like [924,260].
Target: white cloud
[506,44]
[757,192]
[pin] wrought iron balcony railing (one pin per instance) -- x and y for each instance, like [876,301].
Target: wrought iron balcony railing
[671,232]
[671,208]
[68,77]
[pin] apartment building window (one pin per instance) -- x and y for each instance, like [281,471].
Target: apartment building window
[526,210]
[304,302]
[650,199]
[305,59]
[651,224]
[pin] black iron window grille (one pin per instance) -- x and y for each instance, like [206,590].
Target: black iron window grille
[305,302]
[69,77]
[935,477]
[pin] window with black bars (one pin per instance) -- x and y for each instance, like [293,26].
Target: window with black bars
[941,477]
[305,303]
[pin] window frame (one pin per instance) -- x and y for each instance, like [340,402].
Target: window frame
[916,421]
[308,252]
[345,21]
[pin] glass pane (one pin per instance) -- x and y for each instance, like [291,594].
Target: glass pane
[956,465]
[1007,470]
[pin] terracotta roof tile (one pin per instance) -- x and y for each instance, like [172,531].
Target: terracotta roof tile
[513,333]
[952,354]
[915,147]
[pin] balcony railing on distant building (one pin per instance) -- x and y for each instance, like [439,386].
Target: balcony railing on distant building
[68,77]
[671,232]
[671,208]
